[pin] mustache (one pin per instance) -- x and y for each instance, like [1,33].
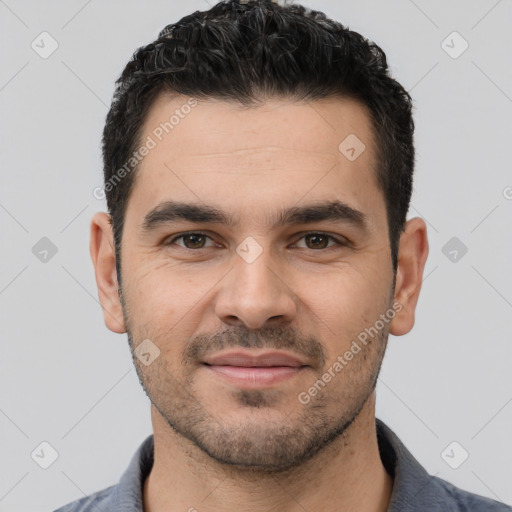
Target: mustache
[275,338]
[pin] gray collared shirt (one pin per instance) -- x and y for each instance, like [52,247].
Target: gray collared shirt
[414,490]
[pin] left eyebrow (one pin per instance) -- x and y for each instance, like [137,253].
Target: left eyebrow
[335,211]
[173,211]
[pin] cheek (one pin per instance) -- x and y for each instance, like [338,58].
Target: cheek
[153,285]
[165,303]
[341,305]
[347,293]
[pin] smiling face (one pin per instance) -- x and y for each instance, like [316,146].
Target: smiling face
[251,240]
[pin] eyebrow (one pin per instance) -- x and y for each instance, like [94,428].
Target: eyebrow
[169,212]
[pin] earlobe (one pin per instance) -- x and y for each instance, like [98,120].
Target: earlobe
[412,256]
[104,260]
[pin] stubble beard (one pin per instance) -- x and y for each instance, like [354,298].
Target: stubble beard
[259,445]
[263,447]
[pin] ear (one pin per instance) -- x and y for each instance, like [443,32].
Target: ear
[412,255]
[104,261]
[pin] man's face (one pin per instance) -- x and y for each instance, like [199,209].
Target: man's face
[248,316]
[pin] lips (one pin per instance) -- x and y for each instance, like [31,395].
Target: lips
[250,360]
[252,370]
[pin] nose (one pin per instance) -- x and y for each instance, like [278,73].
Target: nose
[255,295]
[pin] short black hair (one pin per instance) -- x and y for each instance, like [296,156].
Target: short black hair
[244,51]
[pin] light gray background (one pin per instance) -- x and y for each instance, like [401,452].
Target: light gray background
[67,380]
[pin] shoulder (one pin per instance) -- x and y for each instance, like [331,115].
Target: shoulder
[465,501]
[90,503]
[126,493]
[415,489]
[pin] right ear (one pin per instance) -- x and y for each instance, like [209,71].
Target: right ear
[104,260]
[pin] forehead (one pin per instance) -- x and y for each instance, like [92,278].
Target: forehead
[215,152]
[310,126]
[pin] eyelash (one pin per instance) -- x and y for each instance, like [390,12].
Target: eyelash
[182,235]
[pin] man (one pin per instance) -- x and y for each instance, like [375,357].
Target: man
[258,172]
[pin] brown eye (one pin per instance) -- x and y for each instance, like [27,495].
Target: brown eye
[194,241]
[316,241]
[190,241]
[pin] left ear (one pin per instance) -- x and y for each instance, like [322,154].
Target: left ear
[412,255]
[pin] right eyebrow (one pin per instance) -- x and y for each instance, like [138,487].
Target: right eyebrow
[172,211]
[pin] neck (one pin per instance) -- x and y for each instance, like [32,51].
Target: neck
[346,475]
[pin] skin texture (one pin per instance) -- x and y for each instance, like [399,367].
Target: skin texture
[218,444]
